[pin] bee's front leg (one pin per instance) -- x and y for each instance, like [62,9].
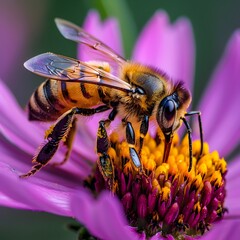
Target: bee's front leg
[130,136]
[143,131]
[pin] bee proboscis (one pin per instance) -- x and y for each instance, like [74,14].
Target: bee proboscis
[136,93]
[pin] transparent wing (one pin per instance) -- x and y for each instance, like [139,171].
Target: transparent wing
[62,68]
[75,33]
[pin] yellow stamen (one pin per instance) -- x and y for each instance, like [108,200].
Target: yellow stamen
[165,193]
[216,179]
[160,182]
[162,169]
[197,207]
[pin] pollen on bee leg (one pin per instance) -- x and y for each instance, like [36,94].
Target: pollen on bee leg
[48,131]
[167,197]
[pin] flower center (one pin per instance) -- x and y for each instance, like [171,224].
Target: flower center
[165,197]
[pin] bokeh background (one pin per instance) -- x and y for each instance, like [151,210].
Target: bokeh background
[27,28]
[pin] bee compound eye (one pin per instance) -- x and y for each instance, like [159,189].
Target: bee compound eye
[167,113]
[169,110]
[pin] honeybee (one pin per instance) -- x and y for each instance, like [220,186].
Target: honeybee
[136,93]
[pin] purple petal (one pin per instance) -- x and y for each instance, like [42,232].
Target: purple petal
[32,193]
[232,187]
[108,32]
[21,130]
[220,103]
[47,184]
[226,229]
[159,237]
[229,227]
[169,47]
[103,216]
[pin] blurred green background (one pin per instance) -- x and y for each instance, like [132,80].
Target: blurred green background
[27,29]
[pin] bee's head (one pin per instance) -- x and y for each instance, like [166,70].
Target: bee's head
[172,108]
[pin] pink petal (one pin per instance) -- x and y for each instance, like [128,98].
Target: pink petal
[220,104]
[21,130]
[228,228]
[36,195]
[232,187]
[169,47]
[107,31]
[159,237]
[103,216]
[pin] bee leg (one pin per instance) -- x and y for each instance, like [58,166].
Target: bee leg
[57,133]
[68,142]
[104,162]
[54,135]
[143,131]
[43,157]
[130,136]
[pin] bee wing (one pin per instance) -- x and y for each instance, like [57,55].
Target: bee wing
[75,33]
[62,68]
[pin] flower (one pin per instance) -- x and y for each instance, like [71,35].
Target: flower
[60,191]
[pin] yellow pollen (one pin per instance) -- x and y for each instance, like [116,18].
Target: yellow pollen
[158,157]
[128,168]
[180,219]
[155,184]
[124,150]
[114,137]
[175,139]
[198,181]
[48,132]
[216,178]
[221,166]
[155,217]
[112,154]
[197,207]
[149,163]
[152,145]
[202,169]
[215,156]
[162,169]
[165,193]
[207,167]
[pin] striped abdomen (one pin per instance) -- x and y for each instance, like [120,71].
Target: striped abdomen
[53,98]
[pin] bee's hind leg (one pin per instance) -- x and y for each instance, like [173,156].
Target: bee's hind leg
[68,142]
[59,132]
[53,135]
